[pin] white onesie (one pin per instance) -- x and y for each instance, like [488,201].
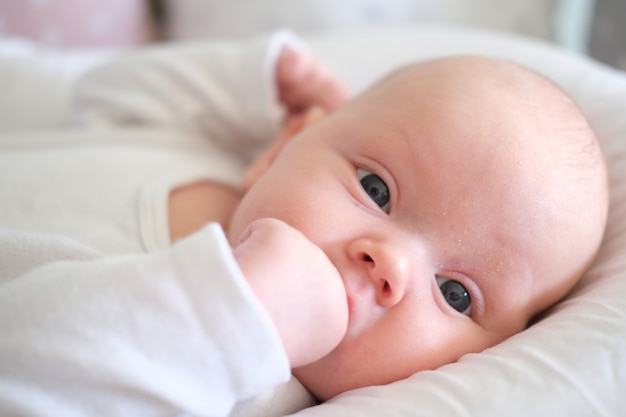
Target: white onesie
[99,314]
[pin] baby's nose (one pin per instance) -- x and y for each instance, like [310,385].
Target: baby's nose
[386,266]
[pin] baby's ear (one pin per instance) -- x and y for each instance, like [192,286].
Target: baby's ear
[293,126]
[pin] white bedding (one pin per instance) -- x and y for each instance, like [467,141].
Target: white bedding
[573,363]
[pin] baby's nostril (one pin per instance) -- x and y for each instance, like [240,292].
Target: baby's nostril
[367,258]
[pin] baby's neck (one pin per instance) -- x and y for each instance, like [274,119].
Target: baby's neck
[194,205]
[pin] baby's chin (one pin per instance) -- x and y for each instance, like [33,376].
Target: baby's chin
[326,378]
[320,386]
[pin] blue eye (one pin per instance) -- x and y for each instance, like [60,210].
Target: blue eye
[375,188]
[456,295]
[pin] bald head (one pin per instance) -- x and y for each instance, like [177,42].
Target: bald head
[537,141]
[495,183]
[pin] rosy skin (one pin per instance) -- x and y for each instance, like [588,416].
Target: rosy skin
[478,196]
[297,285]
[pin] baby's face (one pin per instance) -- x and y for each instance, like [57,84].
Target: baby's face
[437,207]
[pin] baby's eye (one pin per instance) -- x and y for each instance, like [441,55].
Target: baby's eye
[375,188]
[455,294]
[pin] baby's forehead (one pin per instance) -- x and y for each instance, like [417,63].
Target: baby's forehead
[480,101]
[480,89]
[473,76]
[464,68]
[475,117]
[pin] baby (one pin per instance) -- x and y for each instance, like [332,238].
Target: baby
[434,215]
[457,199]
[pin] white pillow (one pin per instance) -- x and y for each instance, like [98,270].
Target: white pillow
[573,363]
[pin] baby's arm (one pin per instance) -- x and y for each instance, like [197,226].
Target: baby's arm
[223,91]
[155,334]
[192,86]
[237,93]
[299,287]
[233,92]
[179,330]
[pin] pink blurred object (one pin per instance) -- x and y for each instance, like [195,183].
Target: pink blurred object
[77,22]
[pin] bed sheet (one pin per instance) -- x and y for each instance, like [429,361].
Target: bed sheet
[570,364]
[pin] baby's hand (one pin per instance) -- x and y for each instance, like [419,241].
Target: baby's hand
[308,91]
[299,287]
[304,82]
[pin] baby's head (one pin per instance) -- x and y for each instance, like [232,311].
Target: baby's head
[458,198]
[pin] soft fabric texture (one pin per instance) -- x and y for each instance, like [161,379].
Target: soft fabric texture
[99,314]
[137,129]
[95,335]
[573,363]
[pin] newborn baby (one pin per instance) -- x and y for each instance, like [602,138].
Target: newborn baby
[457,199]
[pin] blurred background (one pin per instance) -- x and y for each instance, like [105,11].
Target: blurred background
[593,27]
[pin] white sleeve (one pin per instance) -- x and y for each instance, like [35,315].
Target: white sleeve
[224,90]
[161,334]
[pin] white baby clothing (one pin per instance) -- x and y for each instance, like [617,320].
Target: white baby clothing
[99,314]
